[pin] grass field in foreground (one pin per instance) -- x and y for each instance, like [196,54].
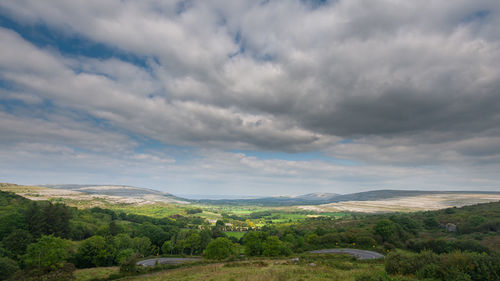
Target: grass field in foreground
[327,267]
[92,273]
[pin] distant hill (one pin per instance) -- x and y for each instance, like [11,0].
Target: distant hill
[326,198]
[122,191]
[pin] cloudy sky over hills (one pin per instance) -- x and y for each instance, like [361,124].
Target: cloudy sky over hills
[249,97]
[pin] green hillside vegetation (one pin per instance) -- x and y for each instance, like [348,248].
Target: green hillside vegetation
[43,240]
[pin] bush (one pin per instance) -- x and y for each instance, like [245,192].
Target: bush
[7,268]
[94,251]
[253,243]
[127,260]
[49,251]
[386,229]
[365,240]
[453,266]
[167,247]
[17,242]
[398,262]
[273,247]
[329,239]
[194,211]
[431,222]
[219,249]
[63,273]
[440,246]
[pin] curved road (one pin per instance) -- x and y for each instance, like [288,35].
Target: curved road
[152,262]
[359,254]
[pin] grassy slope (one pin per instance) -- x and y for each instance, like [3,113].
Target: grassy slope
[327,267]
[87,274]
[161,209]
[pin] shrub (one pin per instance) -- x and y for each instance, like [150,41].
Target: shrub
[253,243]
[194,211]
[273,247]
[219,249]
[167,247]
[365,240]
[17,242]
[7,268]
[329,239]
[94,251]
[398,262]
[431,222]
[48,251]
[63,273]
[127,260]
[452,266]
[386,229]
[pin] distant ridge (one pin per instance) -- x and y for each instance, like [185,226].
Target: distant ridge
[325,198]
[119,190]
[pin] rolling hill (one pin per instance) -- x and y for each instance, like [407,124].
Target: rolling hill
[327,198]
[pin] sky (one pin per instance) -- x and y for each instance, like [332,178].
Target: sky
[251,97]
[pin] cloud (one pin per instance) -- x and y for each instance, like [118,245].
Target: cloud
[382,83]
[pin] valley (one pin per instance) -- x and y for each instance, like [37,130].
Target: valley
[108,232]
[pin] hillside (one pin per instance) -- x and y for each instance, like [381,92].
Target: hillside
[455,241]
[375,195]
[94,195]
[121,190]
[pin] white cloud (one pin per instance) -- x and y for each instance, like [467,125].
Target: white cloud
[411,83]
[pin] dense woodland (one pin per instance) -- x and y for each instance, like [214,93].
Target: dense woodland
[46,241]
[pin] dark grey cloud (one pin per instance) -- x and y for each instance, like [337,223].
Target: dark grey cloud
[410,83]
[405,111]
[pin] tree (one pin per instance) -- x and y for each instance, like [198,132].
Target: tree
[194,211]
[219,225]
[142,245]
[114,228]
[385,228]
[167,247]
[431,222]
[192,242]
[206,237]
[273,247]
[94,251]
[329,239]
[127,260]
[219,249]
[7,268]
[122,241]
[476,220]
[249,223]
[49,251]
[17,242]
[155,233]
[34,218]
[253,243]
[48,219]
[56,220]
[312,239]
[365,240]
